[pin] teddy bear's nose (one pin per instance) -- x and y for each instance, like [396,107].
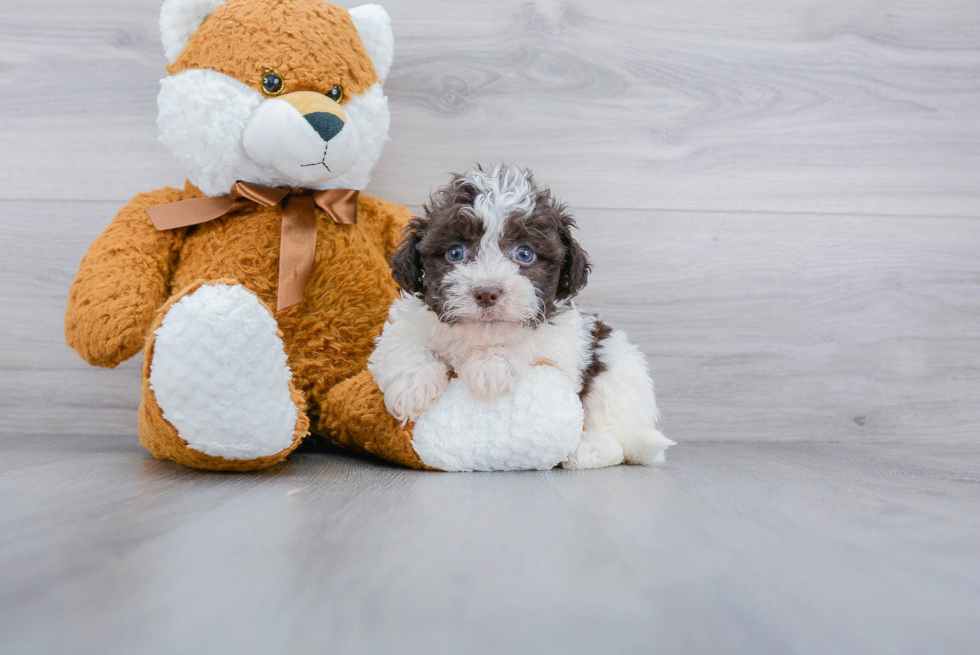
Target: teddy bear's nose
[326,125]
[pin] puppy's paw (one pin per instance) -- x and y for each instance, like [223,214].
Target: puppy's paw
[415,391]
[584,457]
[489,377]
[596,450]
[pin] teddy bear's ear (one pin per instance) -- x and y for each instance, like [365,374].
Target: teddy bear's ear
[179,19]
[374,26]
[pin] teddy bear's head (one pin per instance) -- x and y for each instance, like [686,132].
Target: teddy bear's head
[274,92]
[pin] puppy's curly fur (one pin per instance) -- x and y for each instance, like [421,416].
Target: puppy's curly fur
[488,273]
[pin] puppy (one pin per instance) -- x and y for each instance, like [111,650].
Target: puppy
[488,274]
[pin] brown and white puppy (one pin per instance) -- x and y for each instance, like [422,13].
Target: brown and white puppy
[488,273]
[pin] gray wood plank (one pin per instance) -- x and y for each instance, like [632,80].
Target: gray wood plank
[838,106]
[757,326]
[735,548]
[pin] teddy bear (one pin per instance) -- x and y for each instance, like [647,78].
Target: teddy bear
[261,285]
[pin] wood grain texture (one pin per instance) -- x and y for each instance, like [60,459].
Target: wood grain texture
[734,548]
[832,106]
[757,326]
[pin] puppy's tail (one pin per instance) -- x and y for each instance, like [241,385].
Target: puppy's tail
[647,446]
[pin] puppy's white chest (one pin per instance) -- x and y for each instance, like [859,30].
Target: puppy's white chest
[563,343]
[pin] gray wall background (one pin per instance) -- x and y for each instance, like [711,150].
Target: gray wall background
[781,198]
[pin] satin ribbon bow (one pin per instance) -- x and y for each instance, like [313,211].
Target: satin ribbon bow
[297,250]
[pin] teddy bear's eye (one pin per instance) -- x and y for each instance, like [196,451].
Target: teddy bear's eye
[272,84]
[336,93]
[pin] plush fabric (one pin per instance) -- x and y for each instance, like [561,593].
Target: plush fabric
[179,19]
[374,26]
[127,275]
[311,44]
[536,427]
[122,281]
[162,439]
[355,417]
[217,350]
[203,117]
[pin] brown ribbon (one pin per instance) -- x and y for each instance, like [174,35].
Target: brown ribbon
[297,249]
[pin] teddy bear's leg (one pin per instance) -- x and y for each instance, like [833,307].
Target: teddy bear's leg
[534,428]
[217,390]
[354,416]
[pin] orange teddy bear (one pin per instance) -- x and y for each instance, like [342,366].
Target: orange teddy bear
[256,291]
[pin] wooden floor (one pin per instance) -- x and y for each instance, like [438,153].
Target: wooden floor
[783,204]
[727,548]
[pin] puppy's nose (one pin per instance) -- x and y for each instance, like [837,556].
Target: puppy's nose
[487,296]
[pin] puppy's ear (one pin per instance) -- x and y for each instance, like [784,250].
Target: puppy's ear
[577,266]
[406,263]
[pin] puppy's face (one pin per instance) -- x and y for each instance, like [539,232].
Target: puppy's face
[491,248]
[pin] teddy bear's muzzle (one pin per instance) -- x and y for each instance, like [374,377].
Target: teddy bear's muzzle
[326,116]
[305,136]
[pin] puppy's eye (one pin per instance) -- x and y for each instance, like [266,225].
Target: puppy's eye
[456,254]
[523,255]
[272,84]
[336,93]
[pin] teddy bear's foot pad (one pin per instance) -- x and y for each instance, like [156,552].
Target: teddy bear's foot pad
[220,375]
[535,427]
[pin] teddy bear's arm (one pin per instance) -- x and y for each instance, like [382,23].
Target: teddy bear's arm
[122,282]
[388,218]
